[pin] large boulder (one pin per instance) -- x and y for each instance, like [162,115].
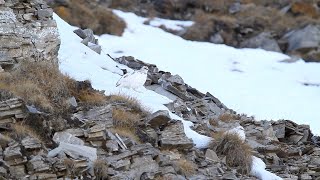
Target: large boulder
[264,41]
[27,32]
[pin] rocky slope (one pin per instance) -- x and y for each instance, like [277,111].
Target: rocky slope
[118,139]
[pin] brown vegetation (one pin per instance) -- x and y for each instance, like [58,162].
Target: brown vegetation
[304,8]
[125,119]
[82,14]
[38,83]
[238,153]
[43,85]
[100,169]
[20,131]
[132,103]
[187,167]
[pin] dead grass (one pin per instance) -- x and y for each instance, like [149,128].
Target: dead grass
[238,153]
[218,136]
[38,83]
[125,119]
[43,85]
[228,117]
[187,167]
[126,132]
[20,131]
[129,102]
[100,169]
[101,20]
[304,8]
[201,29]
[70,167]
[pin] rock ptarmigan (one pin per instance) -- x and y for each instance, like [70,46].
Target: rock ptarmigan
[134,80]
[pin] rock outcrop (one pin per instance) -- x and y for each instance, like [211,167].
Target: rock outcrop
[27,32]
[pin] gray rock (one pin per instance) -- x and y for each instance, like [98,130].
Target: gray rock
[302,39]
[234,8]
[305,177]
[80,33]
[263,40]
[112,146]
[44,13]
[142,165]
[148,134]
[73,102]
[159,118]
[3,172]
[30,143]
[96,48]
[67,138]
[229,176]
[25,36]
[37,164]
[18,172]
[216,39]
[174,137]
[121,165]
[211,155]
[74,151]
[176,79]
[169,87]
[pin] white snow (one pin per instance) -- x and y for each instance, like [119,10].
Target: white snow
[251,81]
[259,170]
[82,63]
[170,24]
[247,80]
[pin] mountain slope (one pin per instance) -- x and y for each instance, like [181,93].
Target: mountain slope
[251,81]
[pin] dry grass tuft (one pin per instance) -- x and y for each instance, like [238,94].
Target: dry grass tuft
[187,167]
[100,169]
[70,167]
[38,83]
[304,8]
[43,85]
[109,23]
[126,132]
[201,29]
[129,102]
[101,20]
[20,131]
[125,119]
[228,117]
[238,153]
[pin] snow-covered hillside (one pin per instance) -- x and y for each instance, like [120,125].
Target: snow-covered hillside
[250,81]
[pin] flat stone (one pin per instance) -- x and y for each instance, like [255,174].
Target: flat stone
[44,13]
[173,137]
[30,143]
[176,79]
[67,138]
[211,155]
[75,151]
[37,164]
[158,119]
[112,146]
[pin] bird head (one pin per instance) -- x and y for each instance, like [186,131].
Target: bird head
[144,69]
